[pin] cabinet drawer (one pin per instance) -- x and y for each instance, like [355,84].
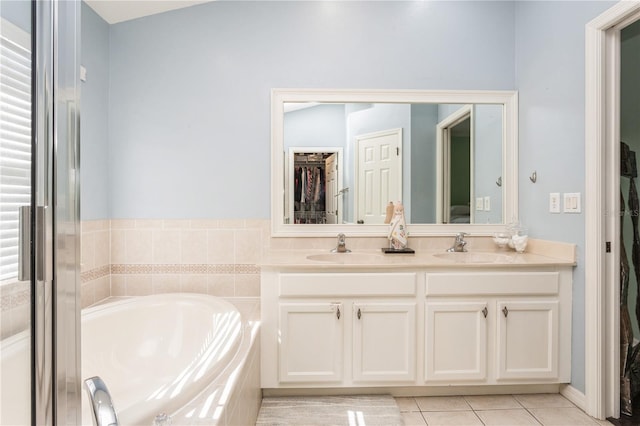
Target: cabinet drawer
[345,284]
[492,283]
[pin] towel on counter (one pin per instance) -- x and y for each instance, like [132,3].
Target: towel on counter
[398,227]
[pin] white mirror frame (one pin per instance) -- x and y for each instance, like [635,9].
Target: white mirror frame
[509,99]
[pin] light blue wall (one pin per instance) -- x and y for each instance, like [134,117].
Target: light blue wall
[321,125]
[424,118]
[94,131]
[550,71]
[190,89]
[488,161]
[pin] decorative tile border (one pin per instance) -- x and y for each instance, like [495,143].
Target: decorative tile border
[185,269]
[14,295]
[95,274]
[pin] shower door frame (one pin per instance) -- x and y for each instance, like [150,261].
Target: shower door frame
[55,214]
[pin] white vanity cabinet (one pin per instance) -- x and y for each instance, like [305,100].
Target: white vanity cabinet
[416,327]
[339,329]
[498,327]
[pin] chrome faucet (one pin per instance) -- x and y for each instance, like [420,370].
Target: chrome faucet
[459,244]
[104,414]
[342,245]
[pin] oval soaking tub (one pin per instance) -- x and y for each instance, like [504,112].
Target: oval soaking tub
[156,353]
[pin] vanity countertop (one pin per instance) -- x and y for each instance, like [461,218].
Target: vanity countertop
[555,254]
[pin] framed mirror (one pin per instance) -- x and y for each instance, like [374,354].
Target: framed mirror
[339,157]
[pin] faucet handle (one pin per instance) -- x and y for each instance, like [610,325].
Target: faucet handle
[460,236]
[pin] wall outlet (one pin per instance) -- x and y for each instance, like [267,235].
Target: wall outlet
[479,204]
[554,202]
[487,203]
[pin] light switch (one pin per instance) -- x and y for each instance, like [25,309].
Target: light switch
[572,202]
[487,203]
[554,202]
[479,204]
[83,73]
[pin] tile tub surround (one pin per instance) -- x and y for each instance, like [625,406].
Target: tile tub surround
[150,256]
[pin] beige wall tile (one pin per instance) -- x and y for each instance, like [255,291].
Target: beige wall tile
[102,289]
[118,246]
[165,284]
[194,246]
[87,251]
[193,283]
[220,246]
[232,224]
[176,223]
[123,223]
[149,223]
[139,285]
[166,246]
[87,294]
[221,285]
[205,224]
[139,246]
[247,285]
[118,285]
[247,246]
[102,249]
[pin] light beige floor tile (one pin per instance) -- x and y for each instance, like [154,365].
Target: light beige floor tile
[562,416]
[413,418]
[492,402]
[506,417]
[407,404]
[543,400]
[451,418]
[442,403]
[603,422]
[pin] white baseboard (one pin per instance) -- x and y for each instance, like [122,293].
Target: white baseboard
[578,398]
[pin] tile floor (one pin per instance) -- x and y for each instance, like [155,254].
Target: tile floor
[489,410]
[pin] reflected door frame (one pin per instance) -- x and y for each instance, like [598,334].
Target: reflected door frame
[443,163]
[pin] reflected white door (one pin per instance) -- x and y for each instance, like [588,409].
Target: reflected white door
[331,196]
[378,174]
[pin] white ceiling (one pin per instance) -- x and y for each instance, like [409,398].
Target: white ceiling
[114,11]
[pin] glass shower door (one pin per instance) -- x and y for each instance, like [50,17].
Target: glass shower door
[15,197]
[39,213]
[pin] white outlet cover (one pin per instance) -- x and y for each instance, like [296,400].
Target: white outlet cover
[487,203]
[554,202]
[479,204]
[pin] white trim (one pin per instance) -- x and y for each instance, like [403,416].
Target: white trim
[509,99]
[574,395]
[600,392]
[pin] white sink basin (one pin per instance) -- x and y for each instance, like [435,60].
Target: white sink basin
[475,257]
[345,258]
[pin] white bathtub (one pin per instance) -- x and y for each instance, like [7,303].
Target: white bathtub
[156,353]
[15,392]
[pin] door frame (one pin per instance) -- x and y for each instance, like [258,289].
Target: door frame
[443,169]
[602,183]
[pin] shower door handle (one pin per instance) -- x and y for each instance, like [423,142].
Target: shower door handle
[24,243]
[43,245]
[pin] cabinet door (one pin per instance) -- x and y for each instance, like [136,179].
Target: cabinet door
[456,341]
[384,342]
[527,340]
[311,342]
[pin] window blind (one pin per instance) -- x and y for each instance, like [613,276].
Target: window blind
[15,141]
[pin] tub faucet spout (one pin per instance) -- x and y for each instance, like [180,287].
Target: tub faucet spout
[104,414]
[342,245]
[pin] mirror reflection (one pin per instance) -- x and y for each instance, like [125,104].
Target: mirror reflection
[344,162]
